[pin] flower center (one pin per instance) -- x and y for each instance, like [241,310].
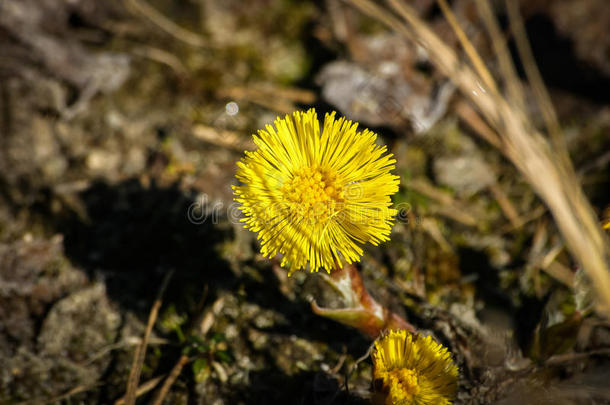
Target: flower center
[403,384]
[313,193]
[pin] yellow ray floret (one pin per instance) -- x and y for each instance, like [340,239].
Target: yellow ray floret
[412,369]
[315,196]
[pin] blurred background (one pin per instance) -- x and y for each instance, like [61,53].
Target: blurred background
[120,126]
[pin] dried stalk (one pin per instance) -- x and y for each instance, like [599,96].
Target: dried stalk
[142,389]
[551,178]
[139,355]
[535,79]
[512,82]
[171,378]
[167,25]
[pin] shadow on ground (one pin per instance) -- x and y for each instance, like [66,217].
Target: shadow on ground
[132,236]
[269,387]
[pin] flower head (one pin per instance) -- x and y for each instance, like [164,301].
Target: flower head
[411,369]
[315,196]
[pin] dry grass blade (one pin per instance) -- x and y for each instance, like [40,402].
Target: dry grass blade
[507,207]
[512,82]
[535,79]
[292,94]
[275,98]
[552,179]
[138,358]
[122,345]
[474,121]
[560,273]
[142,389]
[167,25]
[534,214]
[448,207]
[222,137]
[571,357]
[163,57]
[59,398]
[472,53]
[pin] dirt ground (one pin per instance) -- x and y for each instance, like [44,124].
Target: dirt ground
[120,126]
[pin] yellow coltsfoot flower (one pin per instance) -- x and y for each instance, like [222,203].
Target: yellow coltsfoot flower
[412,369]
[316,196]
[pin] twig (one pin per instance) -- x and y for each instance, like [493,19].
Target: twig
[555,269]
[449,206]
[279,99]
[505,204]
[597,164]
[222,137]
[427,189]
[169,381]
[533,215]
[560,273]
[339,364]
[73,391]
[121,345]
[560,359]
[354,366]
[432,229]
[138,358]
[167,25]
[265,90]
[161,56]
[142,389]
[198,320]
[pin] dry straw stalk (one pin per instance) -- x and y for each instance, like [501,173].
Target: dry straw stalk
[545,165]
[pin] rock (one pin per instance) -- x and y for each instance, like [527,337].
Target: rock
[466,175]
[383,88]
[80,325]
[102,161]
[32,275]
